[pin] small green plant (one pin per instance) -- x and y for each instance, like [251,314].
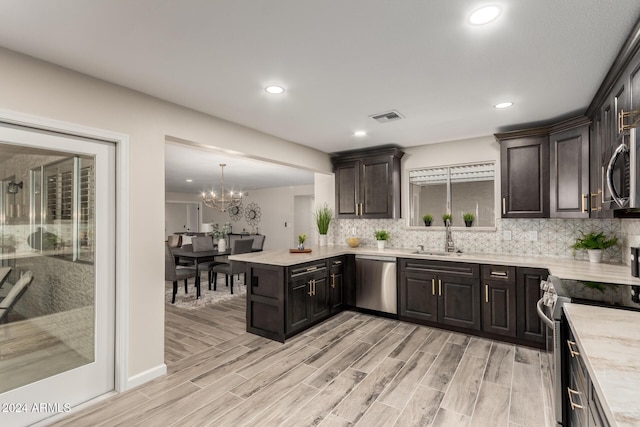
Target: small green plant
[594,241]
[446,217]
[301,238]
[427,217]
[381,235]
[323,216]
[468,217]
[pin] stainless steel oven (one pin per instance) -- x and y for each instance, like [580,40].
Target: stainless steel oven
[550,312]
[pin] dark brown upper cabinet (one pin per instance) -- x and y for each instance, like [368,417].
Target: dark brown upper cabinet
[569,169]
[368,183]
[524,167]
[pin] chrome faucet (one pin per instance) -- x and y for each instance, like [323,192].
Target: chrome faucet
[449,246]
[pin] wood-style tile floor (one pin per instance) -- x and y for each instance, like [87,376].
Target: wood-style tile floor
[354,369]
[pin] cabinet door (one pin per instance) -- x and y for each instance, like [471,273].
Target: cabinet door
[319,300]
[569,193]
[499,308]
[529,325]
[298,315]
[347,176]
[376,187]
[459,301]
[418,296]
[524,167]
[336,288]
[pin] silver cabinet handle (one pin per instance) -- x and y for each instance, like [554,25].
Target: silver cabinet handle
[504,206]
[486,293]
[439,287]
[433,286]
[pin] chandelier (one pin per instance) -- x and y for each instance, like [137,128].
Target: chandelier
[223,201]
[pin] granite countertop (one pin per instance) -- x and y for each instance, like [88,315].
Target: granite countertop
[609,341]
[561,267]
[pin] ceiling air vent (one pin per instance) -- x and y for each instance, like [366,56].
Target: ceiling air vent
[389,116]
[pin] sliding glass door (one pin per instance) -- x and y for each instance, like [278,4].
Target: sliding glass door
[57,254]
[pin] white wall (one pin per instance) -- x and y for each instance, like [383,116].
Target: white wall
[33,87]
[276,210]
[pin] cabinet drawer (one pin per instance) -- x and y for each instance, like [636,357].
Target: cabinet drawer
[301,270]
[461,269]
[499,273]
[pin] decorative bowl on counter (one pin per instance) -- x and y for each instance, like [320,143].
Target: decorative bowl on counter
[354,242]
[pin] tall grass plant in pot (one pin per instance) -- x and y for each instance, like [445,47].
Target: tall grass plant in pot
[323,216]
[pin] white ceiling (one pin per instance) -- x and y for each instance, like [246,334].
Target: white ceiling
[340,61]
[202,166]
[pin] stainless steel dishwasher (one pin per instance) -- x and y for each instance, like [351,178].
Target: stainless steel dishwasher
[376,287]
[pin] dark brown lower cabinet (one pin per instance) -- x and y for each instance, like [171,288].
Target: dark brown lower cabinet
[529,326]
[282,301]
[440,292]
[458,301]
[336,284]
[499,300]
[307,296]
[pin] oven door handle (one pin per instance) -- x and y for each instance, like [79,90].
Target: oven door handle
[543,316]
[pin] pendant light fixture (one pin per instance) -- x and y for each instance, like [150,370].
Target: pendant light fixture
[224,201]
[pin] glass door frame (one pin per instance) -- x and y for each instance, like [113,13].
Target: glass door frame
[121,256]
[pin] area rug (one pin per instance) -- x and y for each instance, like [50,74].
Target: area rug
[207,297]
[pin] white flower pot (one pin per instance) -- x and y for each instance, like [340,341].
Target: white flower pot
[595,255]
[381,244]
[322,241]
[222,245]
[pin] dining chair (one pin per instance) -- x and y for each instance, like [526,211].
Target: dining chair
[172,273]
[201,244]
[240,246]
[174,241]
[185,261]
[258,242]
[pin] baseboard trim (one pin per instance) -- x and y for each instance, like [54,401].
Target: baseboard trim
[146,376]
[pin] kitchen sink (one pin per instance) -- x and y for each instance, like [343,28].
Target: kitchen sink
[436,253]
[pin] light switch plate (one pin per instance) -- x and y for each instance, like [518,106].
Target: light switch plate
[533,236]
[506,235]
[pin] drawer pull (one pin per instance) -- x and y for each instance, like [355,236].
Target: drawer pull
[499,273]
[312,268]
[571,402]
[337,262]
[571,345]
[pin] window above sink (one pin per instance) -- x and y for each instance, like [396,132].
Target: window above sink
[455,189]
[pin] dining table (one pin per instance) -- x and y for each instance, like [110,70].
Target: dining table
[198,257]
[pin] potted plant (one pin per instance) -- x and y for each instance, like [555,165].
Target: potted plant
[427,218]
[446,217]
[381,236]
[594,244]
[468,219]
[323,216]
[301,239]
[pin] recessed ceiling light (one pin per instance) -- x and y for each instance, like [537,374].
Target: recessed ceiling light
[274,90]
[503,105]
[484,15]
[360,133]
[189,180]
